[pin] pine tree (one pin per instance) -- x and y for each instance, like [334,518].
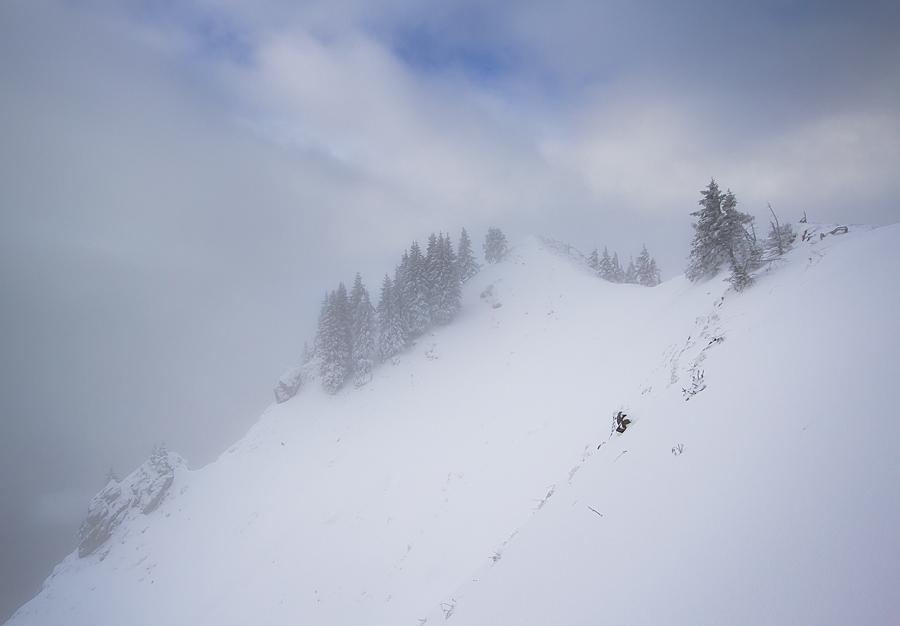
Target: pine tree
[654,272]
[453,281]
[605,267]
[631,273]
[447,302]
[739,247]
[333,340]
[390,325]
[415,294]
[324,321]
[431,275]
[594,261]
[362,331]
[401,293]
[707,250]
[618,274]
[721,237]
[467,266]
[495,247]
[646,269]
[331,369]
[342,314]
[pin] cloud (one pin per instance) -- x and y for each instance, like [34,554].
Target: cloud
[844,162]
[603,106]
[651,155]
[440,145]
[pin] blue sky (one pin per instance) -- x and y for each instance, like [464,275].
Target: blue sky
[182,180]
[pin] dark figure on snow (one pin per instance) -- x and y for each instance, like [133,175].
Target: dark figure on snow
[622,422]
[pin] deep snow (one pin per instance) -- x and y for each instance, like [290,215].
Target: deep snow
[465,484]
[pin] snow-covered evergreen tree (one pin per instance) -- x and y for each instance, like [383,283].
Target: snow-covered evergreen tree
[594,261]
[319,339]
[362,331]
[342,309]
[391,339]
[631,273]
[646,270]
[415,293]
[431,251]
[721,237]
[739,246]
[333,340]
[654,272]
[401,293]
[447,303]
[431,275]
[466,264]
[605,267]
[616,271]
[495,247]
[707,250]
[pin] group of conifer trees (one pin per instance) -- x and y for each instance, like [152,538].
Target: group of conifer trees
[726,237]
[643,271]
[353,335]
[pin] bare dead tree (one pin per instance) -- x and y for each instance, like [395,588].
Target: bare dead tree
[777,229]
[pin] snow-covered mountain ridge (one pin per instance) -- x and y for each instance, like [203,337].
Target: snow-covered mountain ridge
[476,480]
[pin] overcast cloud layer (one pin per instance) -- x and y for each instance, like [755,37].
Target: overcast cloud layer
[181,181]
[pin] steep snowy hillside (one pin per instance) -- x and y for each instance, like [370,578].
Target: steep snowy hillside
[476,481]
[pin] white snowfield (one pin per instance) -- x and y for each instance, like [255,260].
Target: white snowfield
[758,484]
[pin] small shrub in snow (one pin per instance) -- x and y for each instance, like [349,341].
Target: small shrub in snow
[697,385]
[495,248]
[781,236]
[448,608]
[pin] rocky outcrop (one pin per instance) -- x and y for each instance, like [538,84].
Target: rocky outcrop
[563,249]
[141,492]
[288,385]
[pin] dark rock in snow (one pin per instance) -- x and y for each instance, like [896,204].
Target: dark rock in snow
[141,491]
[288,385]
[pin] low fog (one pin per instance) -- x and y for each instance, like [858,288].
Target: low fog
[181,182]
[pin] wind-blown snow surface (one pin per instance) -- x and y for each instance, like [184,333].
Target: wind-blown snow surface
[465,483]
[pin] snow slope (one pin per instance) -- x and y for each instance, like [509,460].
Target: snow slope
[465,484]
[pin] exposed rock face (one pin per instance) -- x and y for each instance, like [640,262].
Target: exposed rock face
[289,384]
[563,249]
[142,491]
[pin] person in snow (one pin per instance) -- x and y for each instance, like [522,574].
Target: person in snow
[622,422]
